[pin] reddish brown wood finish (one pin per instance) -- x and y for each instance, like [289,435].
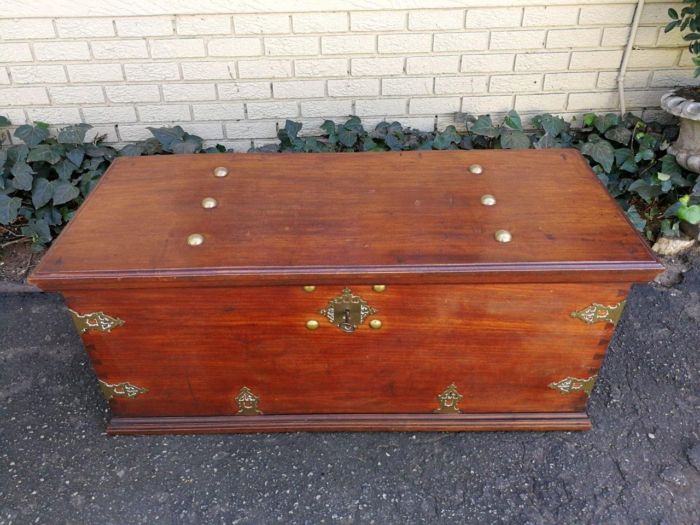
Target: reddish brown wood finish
[350,423]
[202,322]
[286,219]
[500,344]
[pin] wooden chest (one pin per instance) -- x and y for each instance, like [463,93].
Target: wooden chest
[452,290]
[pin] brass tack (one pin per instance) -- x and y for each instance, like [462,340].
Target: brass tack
[209,202]
[309,288]
[379,287]
[488,200]
[195,239]
[220,171]
[312,324]
[476,169]
[375,324]
[503,236]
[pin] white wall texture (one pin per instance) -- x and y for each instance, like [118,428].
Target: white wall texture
[233,71]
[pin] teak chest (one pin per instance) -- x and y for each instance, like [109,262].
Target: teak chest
[428,290]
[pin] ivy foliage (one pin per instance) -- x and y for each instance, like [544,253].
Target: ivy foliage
[44,178]
[688,20]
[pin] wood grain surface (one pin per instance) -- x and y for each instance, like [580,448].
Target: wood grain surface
[539,422]
[501,345]
[284,219]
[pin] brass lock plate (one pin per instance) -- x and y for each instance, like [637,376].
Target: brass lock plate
[347,311]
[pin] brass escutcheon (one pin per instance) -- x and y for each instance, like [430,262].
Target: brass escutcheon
[597,312]
[247,403]
[127,390]
[448,400]
[97,321]
[347,311]
[570,384]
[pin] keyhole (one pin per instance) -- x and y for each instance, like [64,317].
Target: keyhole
[346,316]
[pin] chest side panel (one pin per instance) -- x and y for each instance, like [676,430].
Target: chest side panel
[502,346]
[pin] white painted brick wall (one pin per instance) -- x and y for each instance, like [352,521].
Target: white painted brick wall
[235,76]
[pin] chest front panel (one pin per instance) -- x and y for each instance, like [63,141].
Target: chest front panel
[501,346]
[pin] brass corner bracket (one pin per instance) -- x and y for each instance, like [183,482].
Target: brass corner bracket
[127,390]
[569,385]
[347,311]
[97,321]
[597,312]
[247,403]
[448,400]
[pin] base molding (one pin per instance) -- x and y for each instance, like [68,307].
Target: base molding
[543,421]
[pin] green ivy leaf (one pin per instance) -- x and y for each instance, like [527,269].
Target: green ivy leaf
[63,192]
[38,230]
[513,139]
[4,122]
[31,135]
[17,153]
[600,151]
[50,215]
[669,165]
[133,150]
[446,138]
[292,129]
[73,134]
[619,134]
[550,124]
[65,169]
[23,176]
[637,221]
[512,120]
[354,124]
[624,158]
[42,191]
[347,137]
[393,142]
[9,207]
[546,141]
[167,136]
[602,124]
[484,126]
[696,188]
[191,144]
[646,191]
[644,154]
[689,214]
[44,153]
[76,156]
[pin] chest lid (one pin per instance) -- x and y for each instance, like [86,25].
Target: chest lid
[422,216]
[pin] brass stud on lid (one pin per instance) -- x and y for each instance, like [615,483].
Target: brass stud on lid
[375,324]
[476,169]
[379,287]
[488,200]
[195,239]
[503,236]
[209,202]
[221,171]
[309,288]
[312,324]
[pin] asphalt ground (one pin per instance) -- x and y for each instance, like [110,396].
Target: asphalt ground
[640,464]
